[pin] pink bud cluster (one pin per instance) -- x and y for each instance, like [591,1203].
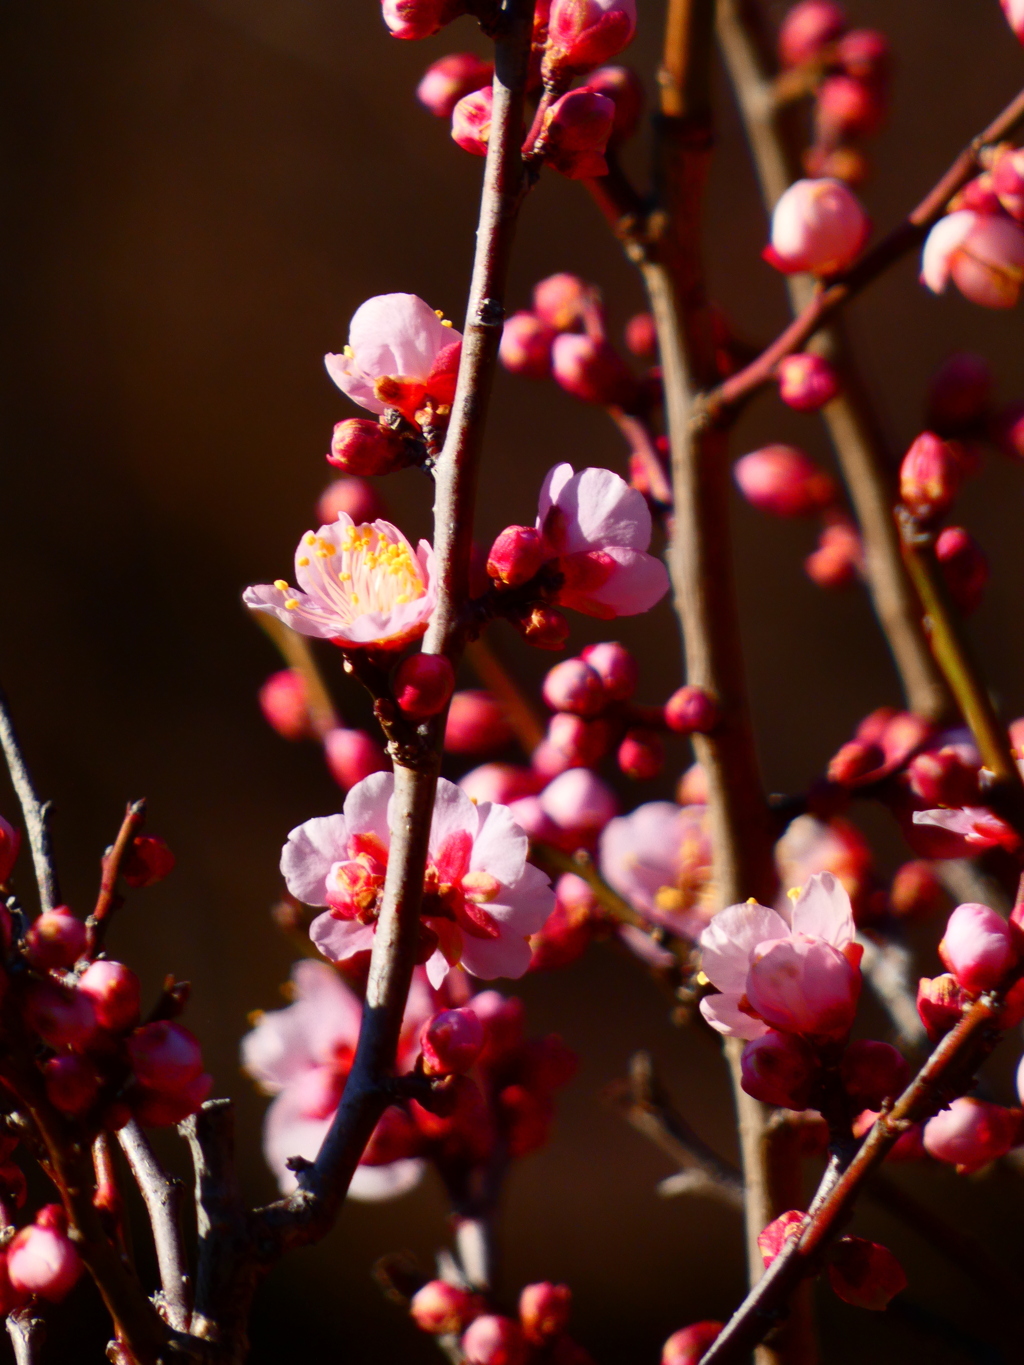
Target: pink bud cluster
[538,1333]
[861,1273]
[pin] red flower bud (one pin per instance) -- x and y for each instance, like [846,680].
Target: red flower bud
[451,1042]
[686,1346]
[283,702]
[10,842]
[641,336]
[1008,430]
[971,1133]
[848,107]
[526,346]
[500,782]
[575,133]
[641,755]
[578,801]
[114,991]
[353,495]
[544,628]
[873,1072]
[691,710]
[783,1229]
[352,755]
[806,382]
[591,370]
[916,892]
[72,1084]
[544,1311]
[493,1340]
[62,1016]
[361,446]
[419,18]
[854,762]
[564,301]
[784,481]
[443,1309]
[41,1260]
[943,777]
[423,684]
[864,1273]
[964,567]
[807,29]
[580,743]
[930,476]
[574,686]
[165,1056]
[780,1069]
[940,1003]
[476,724]
[165,1109]
[448,79]
[1008,181]
[55,939]
[864,54]
[625,89]
[516,555]
[471,121]
[959,393]
[569,928]
[838,559]
[615,666]
[148,861]
[978,947]
[585,33]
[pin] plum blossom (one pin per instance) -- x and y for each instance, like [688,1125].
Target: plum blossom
[361,586]
[976,825]
[659,859]
[400,354]
[482,899]
[597,529]
[795,969]
[302,1055]
[983,254]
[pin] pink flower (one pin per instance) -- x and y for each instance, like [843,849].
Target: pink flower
[399,354]
[817,226]
[482,899]
[448,79]
[598,529]
[978,947]
[976,825]
[971,1133]
[302,1056]
[360,586]
[982,254]
[659,859]
[42,1260]
[794,969]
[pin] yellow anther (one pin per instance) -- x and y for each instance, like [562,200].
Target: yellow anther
[402,598]
[355,599]
[291,604]
[345,577]
[668,898]
[281,584]
[348,353]
[794,893]
[303,562]
[438,312]
[703,980]
[751,900]
[309,538]
[445,322]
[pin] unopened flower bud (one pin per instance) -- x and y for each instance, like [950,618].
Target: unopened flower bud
[164,1108]
[625,90]
[544,628]
[916,892]
[943,777]
[686,1346]
[41,1260]
[471,121]
[940,1003]
[691,710]
[641,336]
[564,301]
[164,1055]
[864,54]
[864,1273]
[578,800]
[476,724]
[978,947]
[569,928]
[516,555]
[964,567]
[353,495]
[848,107]
[447,80]
[147,861]
[544,1311]
[1007,429]
[114,991]
[873,1072]
[784,481]
[591,370]
[361,446]
[959,392]
[855,762]
[641,755]
[786,1228]
[500,782]
[423,684]
[526,346]
[693,786]
[615,666]
[72,1084]
[930,476]
[575,133]
[807,29]
[352,755]
[982,254]
[451,1042]
[414,19]
[1014,11]
[1008,182]
[839,557]
[780,1069]
[971,1133]
[806,382]
[493,1340]
[284,705]
[574,686]
[442,1308]
[56,939]
[61,1015]
[10,842]
[581,743]
[817,226]
[585,33]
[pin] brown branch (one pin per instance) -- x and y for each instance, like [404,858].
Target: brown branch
[162,1196]
[36,813]
[831,295]
[107,901]
[27,1332]
[946,1073]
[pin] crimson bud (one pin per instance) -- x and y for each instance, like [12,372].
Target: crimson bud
[971,1133]
[575,133]
[56,939]
[872,1072]
[164,1055]
[148,861]
[807,29]
[419,18]
[353,495]
[959,392]
[72,1084]
[930,476]
[916,892]
[526,346]
[864,1273]
[574,686]
[641,755]
[442,1308]
[978,947]
[361,446]
[471,121]
[61,1015]
[686,1346]
[691,710]
[585,33]
[591,370]
[780,1069]
[615,666]
[494,1340]
[806,382]
[451,1042]
[352,755]
[114,991]
[423,684]
[448,79]
[782,480]
[544,628]
[625,89]
[10,842]
[940,1004]
[964,567]
[476,723]
[781,1230]
[516,555]
[283,701]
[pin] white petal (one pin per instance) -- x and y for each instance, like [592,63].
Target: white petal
[338,939]
[823,910]
[309,854]
[722,1012]
[728,941]
[374,1183]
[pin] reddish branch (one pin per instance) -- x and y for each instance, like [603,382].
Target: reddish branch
[108,900]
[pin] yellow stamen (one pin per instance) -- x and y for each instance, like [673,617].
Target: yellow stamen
[445,322]
[794,893]
[281,584]
[291,604]
[703,980]
[348,353]
[303,562]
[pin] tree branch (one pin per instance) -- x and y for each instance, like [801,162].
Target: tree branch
[162,1196]
[36,813]
[107,901]
[27,1332]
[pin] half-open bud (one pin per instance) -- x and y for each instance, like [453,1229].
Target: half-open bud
[801,984]
[361,446]
[1008,181]
[978,947]
[449,79]
[940,1004]
[930,476]
[982,254]
[423,683]
[971,1133]
[782,480]
[575,133]
[780,1069]
[944,777]
[516,555]
[414,19]
[807,382]
[451,1041]
[471,121]
[817,226]
[585,33]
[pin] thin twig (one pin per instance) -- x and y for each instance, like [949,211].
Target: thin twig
[27,1332]
[36,813]
[107,901]
[297,654]
[162,1196]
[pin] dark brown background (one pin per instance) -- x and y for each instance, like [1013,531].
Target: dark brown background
[198,193]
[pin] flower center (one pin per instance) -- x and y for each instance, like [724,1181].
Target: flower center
[370,571]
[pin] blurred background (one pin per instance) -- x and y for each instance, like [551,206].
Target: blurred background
[197,196]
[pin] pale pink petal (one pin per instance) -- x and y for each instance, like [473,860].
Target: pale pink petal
[492,957]
[367,807]
[550,490]
[960,821]
[328,1010]
[723,1013]
[947,236]
[638,852]
[453,812]
[338,939]
[601,509]
[397,334]
[351,382]
[307,618]
[311,851]
[288,1133]
[438,968]
[371,1184]
[635,585]
[501,846]
[641,945]
[728,941]
[823,910]
[277,1049]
